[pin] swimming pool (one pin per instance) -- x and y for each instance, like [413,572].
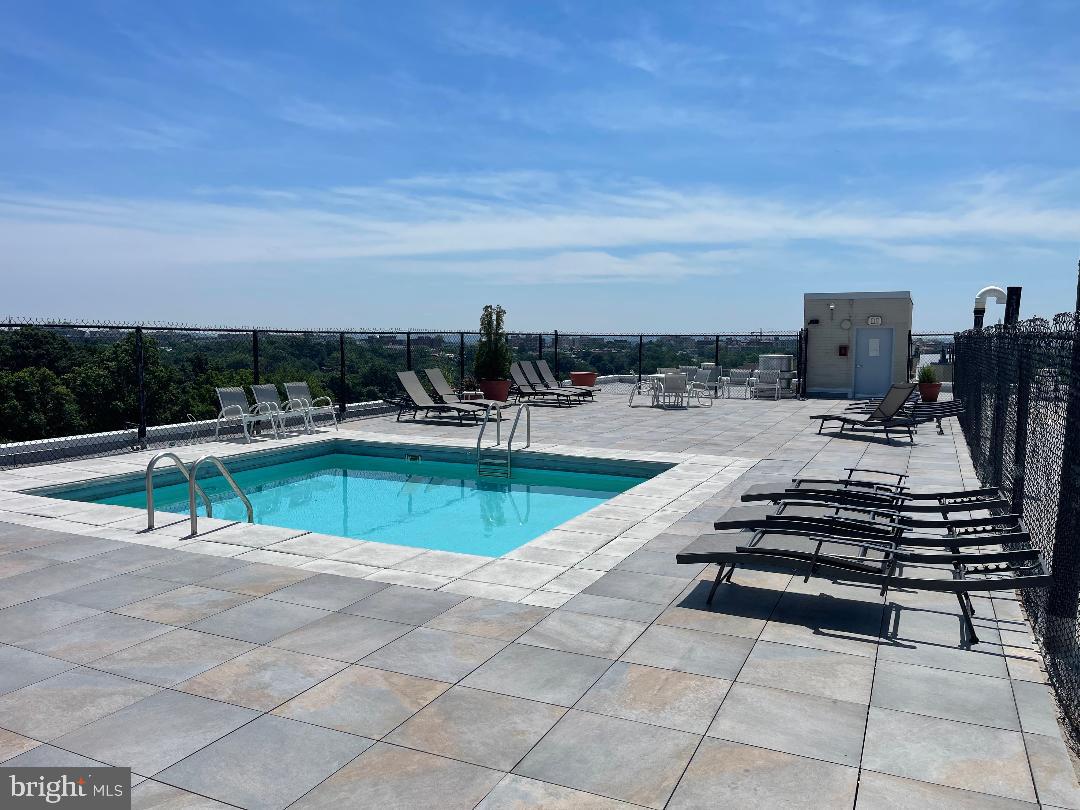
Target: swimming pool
[430,504]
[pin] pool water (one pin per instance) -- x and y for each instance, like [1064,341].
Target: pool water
[434,505]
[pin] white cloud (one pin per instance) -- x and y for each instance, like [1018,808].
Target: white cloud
[313,115]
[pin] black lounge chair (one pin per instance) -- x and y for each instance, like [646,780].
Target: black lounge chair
[524,388]
[831,494]
[416,399]
[860,478]
[449,396]
[551,382]
[533,377]
[986,571]
[884,416]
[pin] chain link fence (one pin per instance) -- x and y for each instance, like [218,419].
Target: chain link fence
[71,390]
[1021,389]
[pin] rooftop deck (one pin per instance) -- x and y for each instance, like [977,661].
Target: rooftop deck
[267,668]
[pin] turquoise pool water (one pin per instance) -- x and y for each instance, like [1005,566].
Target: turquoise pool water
[435,505]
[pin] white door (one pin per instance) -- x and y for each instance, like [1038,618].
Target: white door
[873,361]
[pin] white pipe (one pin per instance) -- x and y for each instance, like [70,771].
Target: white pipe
[998,294]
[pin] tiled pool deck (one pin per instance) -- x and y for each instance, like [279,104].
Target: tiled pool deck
[266,668]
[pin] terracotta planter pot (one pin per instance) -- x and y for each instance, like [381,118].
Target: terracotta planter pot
[495,389]
[587,378]
[929,391]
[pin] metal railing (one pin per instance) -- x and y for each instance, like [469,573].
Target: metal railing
[183,471]
[192,484]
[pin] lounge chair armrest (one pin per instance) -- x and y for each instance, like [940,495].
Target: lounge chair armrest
[315,402]
[901,476]
[265,408]
[231,410]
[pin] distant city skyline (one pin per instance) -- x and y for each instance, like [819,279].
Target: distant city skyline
[623,167]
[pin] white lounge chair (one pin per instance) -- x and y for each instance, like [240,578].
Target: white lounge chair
[300,399]
[266,395]
[235,406]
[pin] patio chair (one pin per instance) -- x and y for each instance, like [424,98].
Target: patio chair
[703,386]
[766,383]
[877,563]
[550,381]
[449,396]
[884,416]
[416,399]
[861,478]
[738,381]
[534,379]
[266,395]
[235,406]
[674,390]
[524,388]
[671,370]
[689,371]
[837,495]
[300,398]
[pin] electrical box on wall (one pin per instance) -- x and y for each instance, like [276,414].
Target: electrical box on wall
[842,350]
[873,320]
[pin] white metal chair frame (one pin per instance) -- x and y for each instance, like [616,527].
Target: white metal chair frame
[247,413]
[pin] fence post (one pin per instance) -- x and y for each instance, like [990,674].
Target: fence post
[540,345]
[461,360]
[556,347]
[716,354]
[255,353]
[140,375]
[341,371]
[1062,600]
[640,354]
[1023,401]
[408,351]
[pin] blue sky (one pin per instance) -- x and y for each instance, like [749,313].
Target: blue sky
[608,165]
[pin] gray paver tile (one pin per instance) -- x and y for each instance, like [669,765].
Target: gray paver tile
[661,697]
[183,605]
[631,585]
[490,618]
[362,700]
[943,693]
[613,608]
[151,795]
[435,654]
[12,744]
[262,678]
[880,791]
[19,668]
[806,725]
[393,777]
[604,755]
[1038,713]
[92,638]
[483,728]
[193,568]
[267,764]
[257,579]
[154,733]
[581,633]
[327,591]
[690,651]
[260,621]
[399,603]
[749,777]
[809,670]
[112,593]
[173,657]
[341,636]
[986,760]
[537,673]
[57,705]
[518,793]
[1054,772]
[31,618]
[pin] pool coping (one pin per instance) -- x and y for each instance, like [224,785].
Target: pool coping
[545,571]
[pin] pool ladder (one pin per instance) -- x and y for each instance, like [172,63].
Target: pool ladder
[193,488]
[494,461]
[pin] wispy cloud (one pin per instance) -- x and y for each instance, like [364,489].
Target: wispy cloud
[489,36]
[315,115]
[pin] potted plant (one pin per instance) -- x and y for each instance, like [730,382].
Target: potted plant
[493,355]
[929,387]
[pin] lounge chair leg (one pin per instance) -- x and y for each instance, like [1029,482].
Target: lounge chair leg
[716,582]
[968,625]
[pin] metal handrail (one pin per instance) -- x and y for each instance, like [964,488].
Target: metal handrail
[528,431]
[150,486]
[192,484]
[483,427]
